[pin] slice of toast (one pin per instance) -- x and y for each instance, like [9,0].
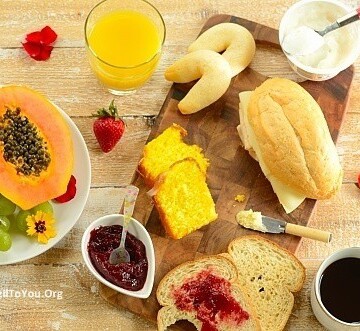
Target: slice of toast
[270,273]
[183,199]
[206,293]
[167,148]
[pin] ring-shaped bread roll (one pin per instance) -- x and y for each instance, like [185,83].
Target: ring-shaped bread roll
[236,41]
[214,73]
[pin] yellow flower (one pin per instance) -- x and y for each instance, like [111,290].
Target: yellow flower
[42,225]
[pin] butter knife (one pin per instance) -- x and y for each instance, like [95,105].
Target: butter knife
[273,225]
[256,221]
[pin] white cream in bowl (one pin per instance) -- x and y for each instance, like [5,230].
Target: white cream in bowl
[340,49]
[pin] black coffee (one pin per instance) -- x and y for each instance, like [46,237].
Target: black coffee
[340,289]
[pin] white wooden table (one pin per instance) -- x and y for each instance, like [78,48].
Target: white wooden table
[68,81]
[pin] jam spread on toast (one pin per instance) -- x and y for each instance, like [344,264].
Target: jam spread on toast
[210,296]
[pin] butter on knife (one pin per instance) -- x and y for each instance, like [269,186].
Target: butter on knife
[254,220]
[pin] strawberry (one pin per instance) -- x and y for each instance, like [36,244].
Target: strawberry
[108,127]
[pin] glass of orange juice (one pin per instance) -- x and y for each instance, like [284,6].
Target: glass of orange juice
[124,40]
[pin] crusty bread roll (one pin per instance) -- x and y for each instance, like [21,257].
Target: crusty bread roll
[213,72]
[270,273]
[285,129]
[204,272]
[235,41]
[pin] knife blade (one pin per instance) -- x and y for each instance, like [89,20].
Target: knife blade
[256,221]
[273,225]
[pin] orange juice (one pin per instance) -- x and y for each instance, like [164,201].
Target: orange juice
[125,48]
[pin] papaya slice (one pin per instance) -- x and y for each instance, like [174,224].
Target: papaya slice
[36,149]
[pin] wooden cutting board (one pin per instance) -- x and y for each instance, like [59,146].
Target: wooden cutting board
[232,171]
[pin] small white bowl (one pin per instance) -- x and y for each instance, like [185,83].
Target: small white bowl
[139,231]
[323,316]
[309,72]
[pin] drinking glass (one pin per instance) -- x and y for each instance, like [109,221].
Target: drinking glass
[124,39]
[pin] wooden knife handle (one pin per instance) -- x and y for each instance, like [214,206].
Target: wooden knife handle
[306,232]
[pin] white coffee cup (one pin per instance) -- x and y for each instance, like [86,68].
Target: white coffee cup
[322,314]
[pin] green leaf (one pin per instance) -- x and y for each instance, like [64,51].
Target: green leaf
[110,112]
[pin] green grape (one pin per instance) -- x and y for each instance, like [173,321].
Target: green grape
[45,207]
[6,206]
[11,218]
[21,219]
[5,241]
[4,223]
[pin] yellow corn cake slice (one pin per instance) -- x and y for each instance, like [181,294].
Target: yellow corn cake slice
[183,199]
[166,149]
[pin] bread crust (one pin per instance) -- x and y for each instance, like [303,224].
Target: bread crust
[247,256]
[297,286]
[293,138]
[219,265]
[253,255]
[172,278]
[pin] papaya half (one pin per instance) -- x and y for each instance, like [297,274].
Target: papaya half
[36,149]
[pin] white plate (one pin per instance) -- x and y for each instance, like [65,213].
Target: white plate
[66,214]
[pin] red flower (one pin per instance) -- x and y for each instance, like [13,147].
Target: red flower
[37,43]
[70,191]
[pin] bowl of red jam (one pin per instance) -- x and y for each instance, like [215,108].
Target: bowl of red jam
[134,278]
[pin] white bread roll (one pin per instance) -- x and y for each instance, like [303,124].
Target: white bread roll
[286,131]
[213,72]
[235,41]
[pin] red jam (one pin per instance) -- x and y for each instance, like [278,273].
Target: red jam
[130,276]
[210,296]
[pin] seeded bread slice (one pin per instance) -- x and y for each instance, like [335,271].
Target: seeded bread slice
[174,282]
[270,274]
